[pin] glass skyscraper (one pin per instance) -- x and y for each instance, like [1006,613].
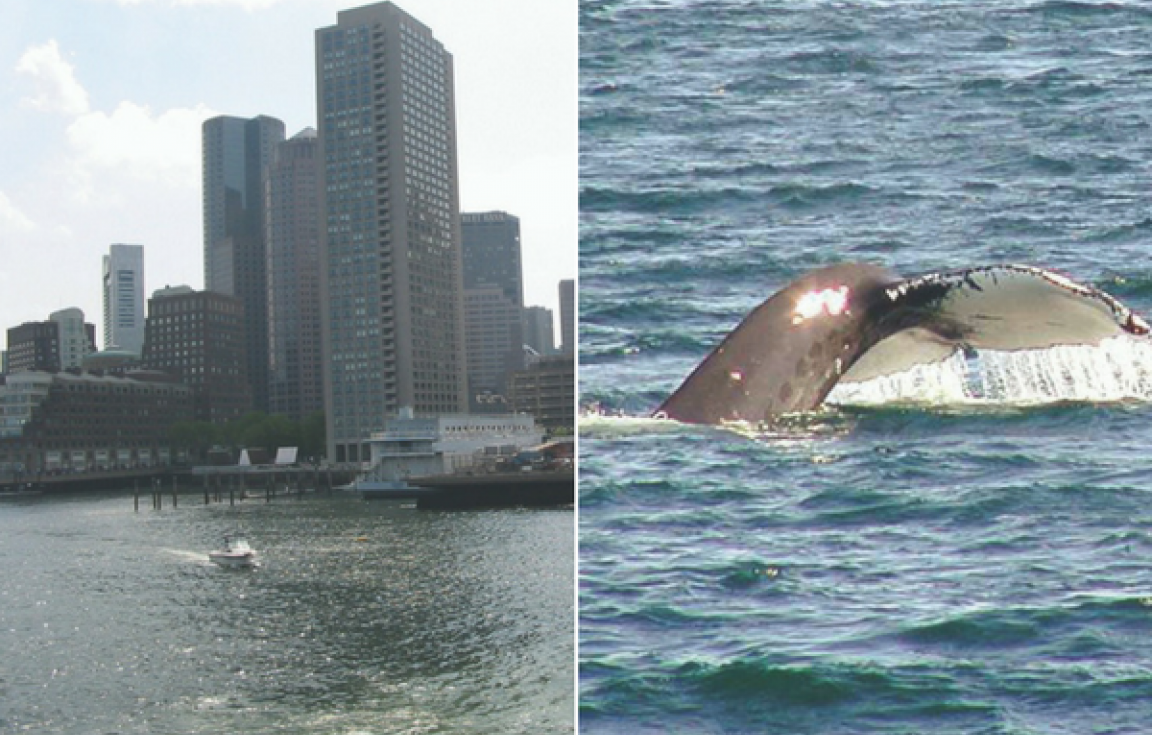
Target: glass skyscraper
[292,234]
[391,288]
[236,153]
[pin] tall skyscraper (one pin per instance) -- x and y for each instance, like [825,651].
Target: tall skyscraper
[568,316]
[124,298]
[493,301]
[236,153]
[391,284]
[292,233]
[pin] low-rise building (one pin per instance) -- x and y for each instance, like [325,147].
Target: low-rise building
[61,343]
[82,422]
[412,447]
[547,390]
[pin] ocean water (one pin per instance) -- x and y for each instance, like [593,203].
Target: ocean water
[936,565]
[365,617]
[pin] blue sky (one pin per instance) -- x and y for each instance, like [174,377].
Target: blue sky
[102,102]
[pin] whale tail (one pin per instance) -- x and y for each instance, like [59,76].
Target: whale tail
[852,323]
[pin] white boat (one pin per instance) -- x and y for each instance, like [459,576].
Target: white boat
[236,553]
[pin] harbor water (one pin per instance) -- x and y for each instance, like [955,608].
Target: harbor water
[364,617]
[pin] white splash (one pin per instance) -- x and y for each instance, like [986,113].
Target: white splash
[1117,369]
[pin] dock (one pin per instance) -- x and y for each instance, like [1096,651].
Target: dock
[188,478]
[533,489]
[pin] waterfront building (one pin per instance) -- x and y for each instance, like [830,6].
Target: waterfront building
[292,234]
[83,422]
[236,154]
[493,300]
[111,361]
[538,330]
[124,298]
[57,344]
[411,447]
[547,390]
[568,317]
[21,394]
[391,289]
[198,337]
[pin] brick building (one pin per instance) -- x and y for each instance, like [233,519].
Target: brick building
[198,337]
[74,422]
[547,391]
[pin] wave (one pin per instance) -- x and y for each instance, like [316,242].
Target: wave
[599,199]
[692,200]
[1075,9]
[809,195]
[1134,285]
[832,60]
[1136,232]
[752,692]
[1080,626]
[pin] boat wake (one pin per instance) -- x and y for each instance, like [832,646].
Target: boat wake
[188,556]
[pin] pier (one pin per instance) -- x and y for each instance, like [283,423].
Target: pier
[208,480]
[533,489]
[169,487]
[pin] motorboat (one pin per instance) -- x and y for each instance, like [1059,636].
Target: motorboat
[236,553]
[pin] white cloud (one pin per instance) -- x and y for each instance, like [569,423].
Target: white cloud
[162,148]
[11,218]
[56,87]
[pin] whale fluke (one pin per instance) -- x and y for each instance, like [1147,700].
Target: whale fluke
[853,322]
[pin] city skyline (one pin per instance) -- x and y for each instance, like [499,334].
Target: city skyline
[109,125]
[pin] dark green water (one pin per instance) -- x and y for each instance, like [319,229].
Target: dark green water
[363,618]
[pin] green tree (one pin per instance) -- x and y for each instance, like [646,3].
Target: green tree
[253,430]
[314,436]
[271,432]
[195,436]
